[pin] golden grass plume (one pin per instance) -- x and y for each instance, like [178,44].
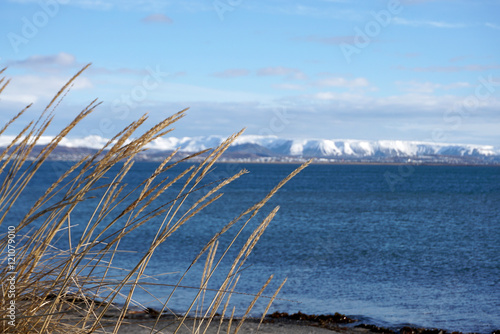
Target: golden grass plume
[71,290]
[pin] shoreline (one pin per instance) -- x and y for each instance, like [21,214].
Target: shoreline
[315,161]
[355,163]
[141,322]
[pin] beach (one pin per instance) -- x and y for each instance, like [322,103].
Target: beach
[143,326]
[140,327]
[146,321]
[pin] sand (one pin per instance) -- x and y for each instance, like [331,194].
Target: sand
[142,326]
[142,322]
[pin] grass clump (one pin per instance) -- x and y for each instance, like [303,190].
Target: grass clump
[73,290]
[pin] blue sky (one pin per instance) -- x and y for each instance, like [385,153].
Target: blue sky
[426,70]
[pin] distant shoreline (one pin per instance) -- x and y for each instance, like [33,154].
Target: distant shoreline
[298,323]
[235,155]
[301,161]
[355,163]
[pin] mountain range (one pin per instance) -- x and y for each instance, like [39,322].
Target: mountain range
[274,149]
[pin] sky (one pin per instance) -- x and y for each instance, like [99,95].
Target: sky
[420,70]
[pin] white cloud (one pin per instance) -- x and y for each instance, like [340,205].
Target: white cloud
[332,40]
[291,73]
[175,92]
[421,23]
[26,89]
[340,97]
[342,82]
[142,5]
[492,25]
[66,64]
[232,73]
[409,104]
[61,59]
[289,87]
[307,9]
[428,87]
[449,69]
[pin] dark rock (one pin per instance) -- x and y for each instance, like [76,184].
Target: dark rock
[337,318]
[300,316]
[70,298]
[323,319]
[376,329]
[278,315]
[152,312]
[412,330]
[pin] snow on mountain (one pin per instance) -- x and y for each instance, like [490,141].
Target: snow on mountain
[186,144]
[331,148]
[297,147]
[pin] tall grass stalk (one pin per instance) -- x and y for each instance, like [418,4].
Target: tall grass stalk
[71,290]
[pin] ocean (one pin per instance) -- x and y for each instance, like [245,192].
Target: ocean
[387,245]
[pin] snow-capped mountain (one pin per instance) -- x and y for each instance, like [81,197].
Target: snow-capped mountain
[330,148]
[257,147]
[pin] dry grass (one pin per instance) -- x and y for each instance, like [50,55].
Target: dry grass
[71,290]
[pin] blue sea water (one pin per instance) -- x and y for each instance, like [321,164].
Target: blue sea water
[388,245]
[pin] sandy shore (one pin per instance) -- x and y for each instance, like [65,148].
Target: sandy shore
[143,323]
[143,326]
